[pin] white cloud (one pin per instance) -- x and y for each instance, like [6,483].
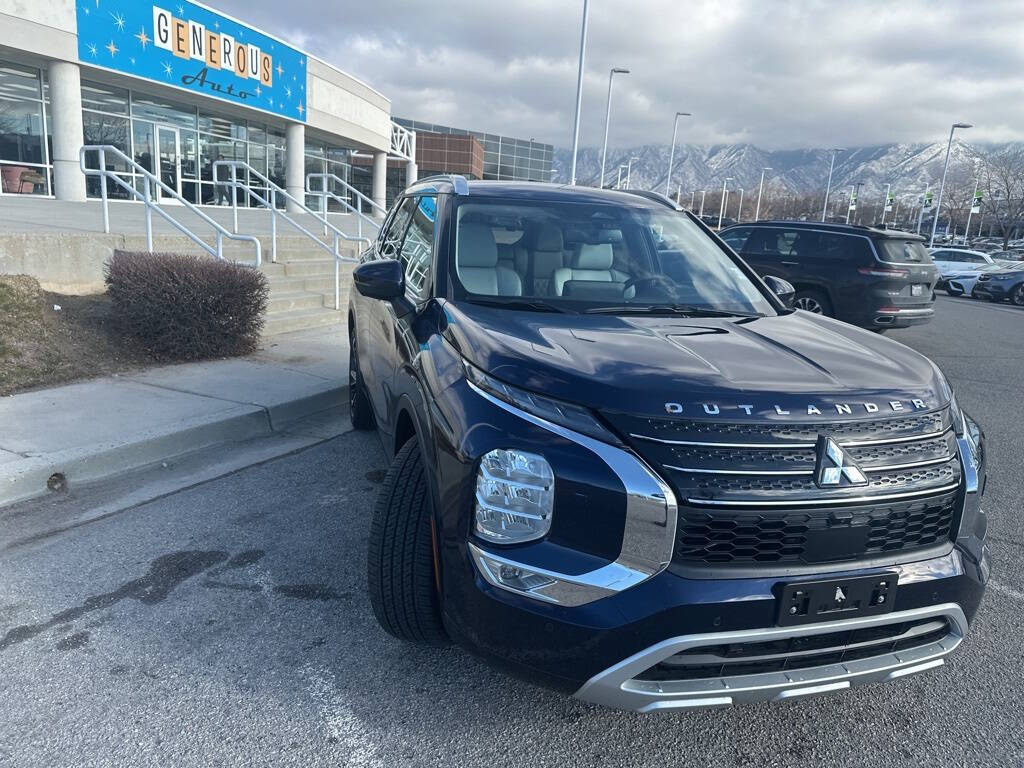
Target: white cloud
[793,74]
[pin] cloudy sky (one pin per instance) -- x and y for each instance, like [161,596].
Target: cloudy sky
[777,74]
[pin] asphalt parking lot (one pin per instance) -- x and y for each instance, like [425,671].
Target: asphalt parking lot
[227,624]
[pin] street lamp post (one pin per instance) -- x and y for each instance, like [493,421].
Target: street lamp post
[760,189]
[579,96]
[828,187]
[702,193]
[618,184]
[721,208]
[672,152]
[693,198]
[608,116]
[854,190]
[629,170]
[739,211]
[970,210]
[920,213]
[885,202]
[942,186]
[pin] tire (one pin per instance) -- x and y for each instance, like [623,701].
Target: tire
[1017,296]
[360,411]
[400,559]
[813,301]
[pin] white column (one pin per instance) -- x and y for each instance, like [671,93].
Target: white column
[412,172]
[295,163]
[66,116]
[380,178]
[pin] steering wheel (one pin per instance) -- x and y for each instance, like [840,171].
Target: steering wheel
[661,280]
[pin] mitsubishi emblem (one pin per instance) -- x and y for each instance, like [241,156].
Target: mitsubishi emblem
[833,465]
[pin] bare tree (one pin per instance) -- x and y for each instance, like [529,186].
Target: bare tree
[1002,182]
[958,194]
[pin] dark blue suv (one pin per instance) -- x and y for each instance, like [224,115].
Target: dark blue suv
[624,467]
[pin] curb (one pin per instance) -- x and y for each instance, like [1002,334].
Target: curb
[29,477]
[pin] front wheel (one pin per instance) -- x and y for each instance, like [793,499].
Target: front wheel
[401,574]
[360,412]
[1017,296]
[812,301]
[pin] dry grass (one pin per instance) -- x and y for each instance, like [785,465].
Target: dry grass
[41,346]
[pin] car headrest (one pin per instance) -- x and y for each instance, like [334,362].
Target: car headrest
[594,256]
[549,238]
[477,247]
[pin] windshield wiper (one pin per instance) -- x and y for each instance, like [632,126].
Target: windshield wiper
[676,309]
[534,305]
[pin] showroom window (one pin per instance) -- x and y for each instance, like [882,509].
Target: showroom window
[24,154]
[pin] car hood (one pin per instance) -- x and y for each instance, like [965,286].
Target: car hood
[789,367]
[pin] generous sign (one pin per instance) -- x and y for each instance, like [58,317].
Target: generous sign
[927,202]
[976,205]
[191,47]
[853,201]
[889,198]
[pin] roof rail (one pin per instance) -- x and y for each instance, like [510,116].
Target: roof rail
[459,185]
[656,197]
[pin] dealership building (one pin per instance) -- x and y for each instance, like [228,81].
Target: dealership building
[176,87]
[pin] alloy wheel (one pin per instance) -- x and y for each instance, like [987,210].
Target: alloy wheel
[1017,297]
[809,304]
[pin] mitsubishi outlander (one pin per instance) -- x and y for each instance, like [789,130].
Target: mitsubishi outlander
[622,466]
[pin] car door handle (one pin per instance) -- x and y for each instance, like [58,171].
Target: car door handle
[790,263]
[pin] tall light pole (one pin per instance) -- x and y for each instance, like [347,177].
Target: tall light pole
[629,170]
[828,187]
[672,152]
[702,193]
[920,213]
[760,189]
[608,116]
[693,198]
[885,202]
[970,210]
[942,186]
[854,194]
[721,208]
[579,97]
[618,184]
[739,211]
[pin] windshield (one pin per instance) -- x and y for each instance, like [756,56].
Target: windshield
[555,256]
[896,251]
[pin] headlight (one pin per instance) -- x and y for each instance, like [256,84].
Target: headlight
[515,496]
[567,415]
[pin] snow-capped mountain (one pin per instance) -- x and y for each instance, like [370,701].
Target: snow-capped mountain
[909,168]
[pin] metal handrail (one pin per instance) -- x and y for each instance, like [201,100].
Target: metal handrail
[324,193]
[152,204]
[277,191]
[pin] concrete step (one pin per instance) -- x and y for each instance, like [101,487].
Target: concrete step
[310,268]
[286,302]
[300,319]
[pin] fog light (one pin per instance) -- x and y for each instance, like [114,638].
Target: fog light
[515,493]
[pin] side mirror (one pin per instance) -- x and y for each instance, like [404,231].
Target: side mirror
[781,288]
[383,279]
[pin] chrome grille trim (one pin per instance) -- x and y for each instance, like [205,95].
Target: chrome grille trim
[820,502]
[790,472]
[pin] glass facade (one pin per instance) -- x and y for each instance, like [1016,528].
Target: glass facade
[180,143]
[505,158]
[25,167]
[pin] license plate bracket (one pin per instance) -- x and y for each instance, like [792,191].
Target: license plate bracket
[917,289]
[810,602]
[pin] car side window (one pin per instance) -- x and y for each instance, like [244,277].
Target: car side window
[737,238]
[778,243]
[417,249]
[391,240]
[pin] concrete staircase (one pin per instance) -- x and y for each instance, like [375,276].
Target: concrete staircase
[302,285]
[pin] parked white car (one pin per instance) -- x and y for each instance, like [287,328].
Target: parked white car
[962,283]
[950,260]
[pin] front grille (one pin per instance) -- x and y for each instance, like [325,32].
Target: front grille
[796,537]
[797,652]
[748,494]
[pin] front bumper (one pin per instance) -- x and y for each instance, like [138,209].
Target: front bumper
[991,290]
[619,687]
[603,617]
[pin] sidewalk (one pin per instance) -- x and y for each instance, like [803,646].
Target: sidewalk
[100,428]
